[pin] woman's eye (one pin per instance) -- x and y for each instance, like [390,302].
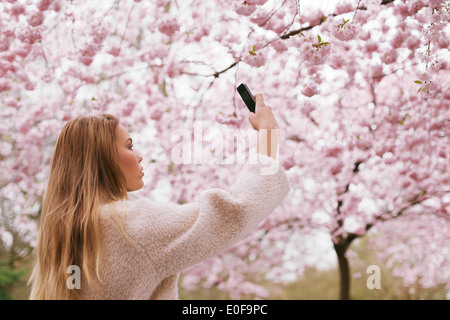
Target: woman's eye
[130,147]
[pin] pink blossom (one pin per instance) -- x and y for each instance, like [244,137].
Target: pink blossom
[169,27]
[336,167]
[203,32]
[88,78]
[88,53]
[244,9]
[289,162]
[25,128]
[312,51]
[28,36]
[307,109]
[389,57]
[363,144]
[11,102]
[129,107]
[86,60]
[10,57]
[259,16]
[44,5]
[399,39]
[162,3]
[256,2]
[30,86]
[23,50]
[4,45]
[256,60]
[336,61]
[371,46]
[279,46]
[333,151]
[346,32]
[412,43]
[376,72]
[48,76]
[309,90]
[115,51]
[90,50]
[443,153]
[229,119]
[4,85]
[344,7]
[99,35]
[314,17]
[156,115]
[443,41]
[17,9]
[36,19]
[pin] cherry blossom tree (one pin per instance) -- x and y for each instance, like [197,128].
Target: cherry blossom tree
[360,90]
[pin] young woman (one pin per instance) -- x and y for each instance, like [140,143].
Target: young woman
[136,249]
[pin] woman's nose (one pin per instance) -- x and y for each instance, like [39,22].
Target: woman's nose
[139,157]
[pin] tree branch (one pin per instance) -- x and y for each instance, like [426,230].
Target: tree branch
[415,201]
[295,32]
[218,73]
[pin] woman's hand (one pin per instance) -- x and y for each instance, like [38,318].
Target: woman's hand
[264,120]
[263,117]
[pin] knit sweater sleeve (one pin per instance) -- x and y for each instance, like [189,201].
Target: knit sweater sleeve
[179,236]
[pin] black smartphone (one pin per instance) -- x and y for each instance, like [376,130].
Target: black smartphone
[247,96]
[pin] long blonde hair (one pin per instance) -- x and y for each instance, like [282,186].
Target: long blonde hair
[85,172]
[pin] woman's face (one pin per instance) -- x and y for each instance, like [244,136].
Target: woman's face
[129,160]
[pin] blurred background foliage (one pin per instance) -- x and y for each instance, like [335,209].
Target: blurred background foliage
[313,284]
[316,284]
[13,280]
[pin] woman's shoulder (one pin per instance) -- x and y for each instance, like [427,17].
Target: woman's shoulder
[131,215]
[148,221]
[127,208]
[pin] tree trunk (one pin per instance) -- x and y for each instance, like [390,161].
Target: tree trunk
[344,270]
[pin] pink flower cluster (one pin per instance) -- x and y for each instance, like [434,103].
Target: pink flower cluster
[346,32]
[169,27]
[257,60]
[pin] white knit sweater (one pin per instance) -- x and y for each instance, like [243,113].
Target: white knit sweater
[168,238]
